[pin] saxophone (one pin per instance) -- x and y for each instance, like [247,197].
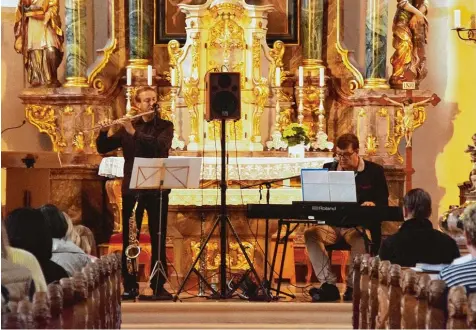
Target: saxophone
[133,249]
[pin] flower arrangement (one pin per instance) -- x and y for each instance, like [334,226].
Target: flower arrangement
[295,134]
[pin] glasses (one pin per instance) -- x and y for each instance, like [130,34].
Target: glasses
[345,155]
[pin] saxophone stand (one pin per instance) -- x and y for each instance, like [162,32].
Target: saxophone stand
[223,221]
[169,174]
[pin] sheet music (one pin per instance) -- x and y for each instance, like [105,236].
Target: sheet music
[328,186]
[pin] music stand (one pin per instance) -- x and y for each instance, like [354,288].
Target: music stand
[164,173]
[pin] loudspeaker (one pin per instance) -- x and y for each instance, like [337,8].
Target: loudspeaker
[223,96]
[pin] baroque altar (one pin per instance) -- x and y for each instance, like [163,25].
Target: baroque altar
[315,84]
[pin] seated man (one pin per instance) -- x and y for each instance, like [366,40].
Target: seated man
[416,241]
[372,190]
[464,273]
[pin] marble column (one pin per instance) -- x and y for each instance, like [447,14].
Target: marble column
[141,27]
[312,27]
[76,57]
[376,44]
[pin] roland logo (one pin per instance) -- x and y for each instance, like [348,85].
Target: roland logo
[325,208]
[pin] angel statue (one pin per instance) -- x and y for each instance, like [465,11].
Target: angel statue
[39,37]
[410,32]
[410,114]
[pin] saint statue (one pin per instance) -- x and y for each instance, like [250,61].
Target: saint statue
[410,32]
[38,36]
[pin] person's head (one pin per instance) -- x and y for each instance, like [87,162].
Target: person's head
[27,229]
[146,97]
[416,204]
[347,151]
[71,233]
[407,102]
[55,220]
[469,223]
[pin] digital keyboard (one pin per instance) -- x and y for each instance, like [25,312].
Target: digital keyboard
[330,213]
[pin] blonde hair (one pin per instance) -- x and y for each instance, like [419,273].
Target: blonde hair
[71,233]
[469,222]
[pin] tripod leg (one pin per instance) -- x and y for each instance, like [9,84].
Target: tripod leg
[197,258]
[275,254]
[286,237]
[243,250]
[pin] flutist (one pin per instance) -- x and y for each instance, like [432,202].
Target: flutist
[148,137]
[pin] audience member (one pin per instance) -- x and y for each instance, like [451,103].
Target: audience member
[82,236]
[416,241]
[27,229]
[65,253]
[25,259]
[16,279]
[464,273]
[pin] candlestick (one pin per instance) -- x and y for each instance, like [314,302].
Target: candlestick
[129,76]
[300,105]
[457,18]
[149,75]
[173,77]
[278,77]
[322,77]
[128,99]
[301,76]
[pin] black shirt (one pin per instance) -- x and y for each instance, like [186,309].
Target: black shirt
[151,140]
[370,184]
[417,242]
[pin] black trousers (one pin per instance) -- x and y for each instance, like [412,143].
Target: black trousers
[149,201]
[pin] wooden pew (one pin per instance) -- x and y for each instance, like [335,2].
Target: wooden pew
[436,318]
[422,300]
[472,311]
[364,291]
[409,300]
[373,292]
[457,308]
[356,294]
[384,281]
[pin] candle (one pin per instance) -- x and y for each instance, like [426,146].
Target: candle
[173,77]
[457,18]
[322,77]
[301,76]
[149,75]
[278,77]
[129,76]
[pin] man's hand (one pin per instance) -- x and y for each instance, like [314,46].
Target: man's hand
[368,204]
[105,124]
[127,124]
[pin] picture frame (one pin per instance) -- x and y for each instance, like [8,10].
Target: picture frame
[283,24]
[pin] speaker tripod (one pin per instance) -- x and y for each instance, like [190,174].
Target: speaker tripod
[224,221]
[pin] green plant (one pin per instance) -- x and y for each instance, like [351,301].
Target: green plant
[295,134]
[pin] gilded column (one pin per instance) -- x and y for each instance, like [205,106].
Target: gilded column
[376,44]
[312,25]
[141,27]
[76,57]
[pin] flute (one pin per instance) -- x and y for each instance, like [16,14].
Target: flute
[114,122]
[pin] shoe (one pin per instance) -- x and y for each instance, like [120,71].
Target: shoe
[327,292]
[348,294]
[163,294]
[130,294]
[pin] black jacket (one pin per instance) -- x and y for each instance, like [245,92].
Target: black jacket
[370,184]
[149,141]
[417,242]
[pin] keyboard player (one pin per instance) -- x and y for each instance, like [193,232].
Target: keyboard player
[371,187]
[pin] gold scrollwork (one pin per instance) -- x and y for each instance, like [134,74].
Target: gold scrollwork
[276,53]
[344,54]
[235,258]
[371,145]
[362,113]
[92,141]
[256,52]
[44,118]
[175,52]
[191,93]
[78,142]
[261,93]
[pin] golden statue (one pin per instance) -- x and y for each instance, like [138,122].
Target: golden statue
[38,36]
[410,32]
[412,116]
